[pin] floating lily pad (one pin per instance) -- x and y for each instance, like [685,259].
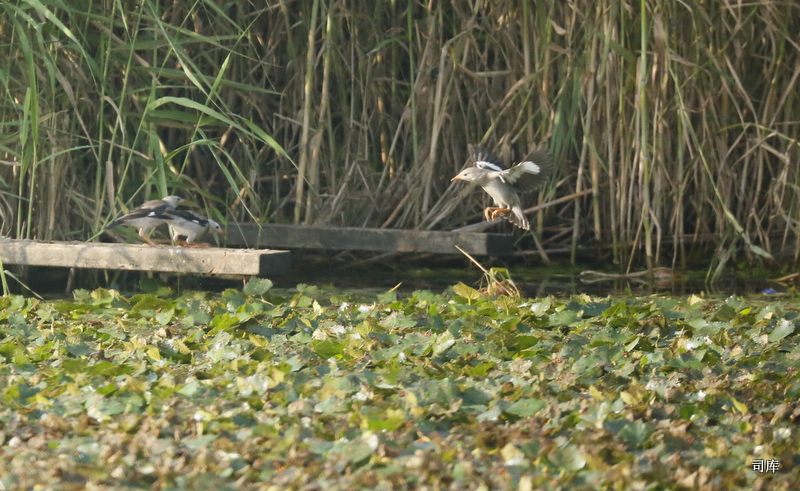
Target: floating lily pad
[558,392]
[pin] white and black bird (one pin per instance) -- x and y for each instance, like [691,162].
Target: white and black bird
[146,216]
[189,224]
[503,184]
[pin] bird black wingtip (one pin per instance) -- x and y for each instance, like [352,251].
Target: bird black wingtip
[482,157]
[541,156]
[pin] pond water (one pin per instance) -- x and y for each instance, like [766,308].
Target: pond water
[532,282]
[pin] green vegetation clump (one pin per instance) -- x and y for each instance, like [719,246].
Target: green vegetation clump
[446,391]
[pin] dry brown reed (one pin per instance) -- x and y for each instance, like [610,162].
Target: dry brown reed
[681,117]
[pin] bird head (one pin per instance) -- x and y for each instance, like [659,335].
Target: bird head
[474,174]
[173,200]
[215,227]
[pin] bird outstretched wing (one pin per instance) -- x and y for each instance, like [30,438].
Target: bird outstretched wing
[484,159]
[529,175]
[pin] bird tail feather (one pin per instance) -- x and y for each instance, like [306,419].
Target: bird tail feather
[113,224]
[518,218]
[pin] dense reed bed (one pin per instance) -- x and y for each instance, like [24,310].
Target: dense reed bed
[680,117]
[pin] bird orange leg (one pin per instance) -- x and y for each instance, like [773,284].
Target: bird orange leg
[500,212]
[491,213]
[147,239]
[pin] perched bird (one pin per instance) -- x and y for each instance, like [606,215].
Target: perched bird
[145,216]
[189,224]
[504,184]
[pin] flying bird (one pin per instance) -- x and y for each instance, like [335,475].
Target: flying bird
[503,184]
[145,217]
[189,224]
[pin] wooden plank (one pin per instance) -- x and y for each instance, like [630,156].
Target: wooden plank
[211,260]
[366,239]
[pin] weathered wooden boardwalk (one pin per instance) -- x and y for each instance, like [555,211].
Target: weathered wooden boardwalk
[251,261]
[366,239]
[139,257]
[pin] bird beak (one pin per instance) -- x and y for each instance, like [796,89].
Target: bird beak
[455,179]
[222,233]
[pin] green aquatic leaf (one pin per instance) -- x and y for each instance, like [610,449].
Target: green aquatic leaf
[398,320]
[783,329]
[636,432]
[389,424]
[78,349]
[148,305]
[443,342]
[725,313]
[481,369]
[595,309]
[257,286]
[467,292]
[301,301]
[165,316]
[190,387]
[234,299]
[74,365]
[526,407]
[567,458]
[331,405]
[225,321]
[388,297]
[564,317]
[328,348]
